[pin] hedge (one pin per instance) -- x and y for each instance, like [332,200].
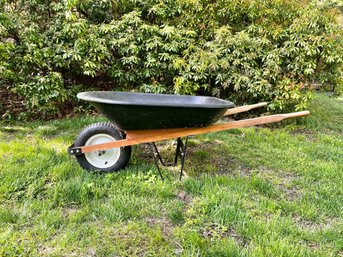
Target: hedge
[247,51]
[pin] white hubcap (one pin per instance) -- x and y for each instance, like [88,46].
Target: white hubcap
[102,159]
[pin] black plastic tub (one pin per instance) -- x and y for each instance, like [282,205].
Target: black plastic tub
[140,111]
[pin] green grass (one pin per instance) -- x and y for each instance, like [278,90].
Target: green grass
[249,192]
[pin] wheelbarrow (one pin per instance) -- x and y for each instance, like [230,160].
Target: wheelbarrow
[137,118]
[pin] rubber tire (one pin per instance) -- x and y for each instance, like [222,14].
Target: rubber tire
[102,128]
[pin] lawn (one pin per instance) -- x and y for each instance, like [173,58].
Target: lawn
[265,191]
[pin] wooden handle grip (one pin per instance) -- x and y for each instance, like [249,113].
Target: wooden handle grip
[296,114]
[244,108]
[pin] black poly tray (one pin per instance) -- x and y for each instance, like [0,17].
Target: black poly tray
[141,111]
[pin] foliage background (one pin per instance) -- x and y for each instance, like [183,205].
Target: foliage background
[247,51]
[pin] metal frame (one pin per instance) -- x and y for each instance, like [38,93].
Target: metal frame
[180,151]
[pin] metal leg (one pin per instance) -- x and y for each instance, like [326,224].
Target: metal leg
[181,149]
[159,155]
[155,160]
[183,156]
[177,152]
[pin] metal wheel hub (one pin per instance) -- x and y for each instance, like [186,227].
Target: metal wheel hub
[103,158]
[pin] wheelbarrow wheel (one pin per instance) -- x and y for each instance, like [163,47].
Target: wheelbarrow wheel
[107,160]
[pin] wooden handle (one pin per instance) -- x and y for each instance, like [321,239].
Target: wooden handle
[244,108]
[296,114]
[140,137]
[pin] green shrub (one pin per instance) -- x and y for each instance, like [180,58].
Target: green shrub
[246,51]
[43,90]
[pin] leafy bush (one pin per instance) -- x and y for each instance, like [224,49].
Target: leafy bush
[247,50]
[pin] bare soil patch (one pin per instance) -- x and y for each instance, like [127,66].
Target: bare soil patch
[216,230]
[163,222]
